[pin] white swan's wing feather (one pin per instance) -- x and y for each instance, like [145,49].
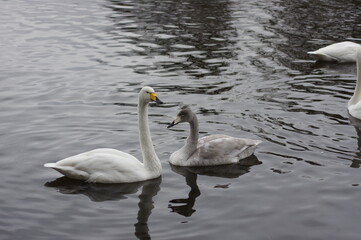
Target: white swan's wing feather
[101,165]
[341,52]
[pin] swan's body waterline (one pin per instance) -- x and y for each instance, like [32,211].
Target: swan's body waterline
[211,150]
[107,165]
[337,52]
[354,105]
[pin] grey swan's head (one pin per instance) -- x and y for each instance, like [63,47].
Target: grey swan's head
[184,115]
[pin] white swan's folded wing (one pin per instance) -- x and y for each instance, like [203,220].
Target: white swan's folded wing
[341,52]
[101,165]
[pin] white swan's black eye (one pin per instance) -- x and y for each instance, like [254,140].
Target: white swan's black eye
[147,92]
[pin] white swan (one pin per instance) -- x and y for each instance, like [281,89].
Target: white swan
[354,105]
[210,150]
[337,52]
[107,165]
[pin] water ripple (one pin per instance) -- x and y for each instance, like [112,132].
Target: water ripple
[70,75]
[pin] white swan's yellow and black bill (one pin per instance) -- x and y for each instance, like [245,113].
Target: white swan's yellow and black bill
[154,98]
[175,122]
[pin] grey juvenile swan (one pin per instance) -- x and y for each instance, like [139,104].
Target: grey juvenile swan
[211,150]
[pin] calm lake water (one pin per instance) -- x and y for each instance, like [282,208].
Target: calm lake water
[70,73]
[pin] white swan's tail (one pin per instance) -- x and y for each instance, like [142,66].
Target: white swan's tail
[50,165]
[322,56]
[69,171]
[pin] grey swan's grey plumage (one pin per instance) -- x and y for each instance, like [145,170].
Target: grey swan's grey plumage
[337,52]
[211,150]
[106,165]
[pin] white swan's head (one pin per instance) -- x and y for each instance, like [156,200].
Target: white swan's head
[184,115]
[147,94]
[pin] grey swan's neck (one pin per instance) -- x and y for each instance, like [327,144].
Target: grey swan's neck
[150,158]
[192,140]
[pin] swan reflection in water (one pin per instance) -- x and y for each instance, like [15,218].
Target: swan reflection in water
[338,68]
[190,173]
[110,192]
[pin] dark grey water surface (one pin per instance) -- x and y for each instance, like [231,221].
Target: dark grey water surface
[70,72]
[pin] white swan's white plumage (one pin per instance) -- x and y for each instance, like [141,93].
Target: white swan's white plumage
[211,150]
[354,105]
[337,52]
[107,165]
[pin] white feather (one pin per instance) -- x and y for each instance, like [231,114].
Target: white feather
[354,105]
[337,52]
[107,165]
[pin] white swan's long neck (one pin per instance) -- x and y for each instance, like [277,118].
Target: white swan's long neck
[192,141]
[357,93]
[150,158]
